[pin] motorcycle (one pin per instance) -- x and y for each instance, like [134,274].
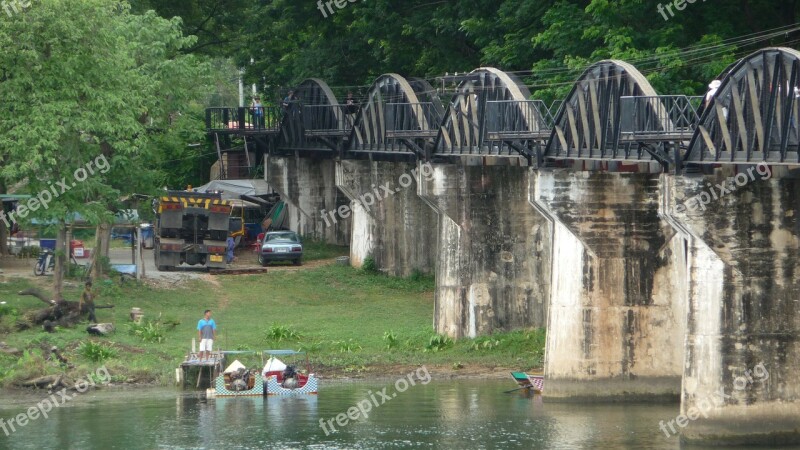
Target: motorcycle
[46,261]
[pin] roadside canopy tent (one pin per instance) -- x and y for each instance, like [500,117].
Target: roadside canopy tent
[234,189]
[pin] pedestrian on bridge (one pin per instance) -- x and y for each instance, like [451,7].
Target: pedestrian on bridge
[258,112]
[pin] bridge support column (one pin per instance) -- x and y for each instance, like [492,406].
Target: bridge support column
[617,312]
[741,383]
[493,268]
[308,186]
[390,222]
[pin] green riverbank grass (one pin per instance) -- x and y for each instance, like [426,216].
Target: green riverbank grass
[349,321]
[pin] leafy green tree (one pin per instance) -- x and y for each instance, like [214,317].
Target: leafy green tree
[87,81]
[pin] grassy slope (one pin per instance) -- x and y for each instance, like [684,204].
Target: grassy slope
[339,314]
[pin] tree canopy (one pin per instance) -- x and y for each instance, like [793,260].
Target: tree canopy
[547,41]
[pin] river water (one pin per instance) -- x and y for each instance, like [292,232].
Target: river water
[447,415]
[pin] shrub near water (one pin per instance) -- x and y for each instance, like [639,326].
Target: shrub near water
[95,351]
[438,342]
[278,333]
[390,337]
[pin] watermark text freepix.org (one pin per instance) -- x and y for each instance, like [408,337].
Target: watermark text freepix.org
[375,399]
[679,5]
[323,5]
[704,406]
[55,400]
[379,193]
[716,192]
[12,7]
[42,199]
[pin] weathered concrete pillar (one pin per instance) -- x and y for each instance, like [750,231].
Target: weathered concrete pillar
[741,380]
[390,222]
[308,186]
[493,268]
[617,311]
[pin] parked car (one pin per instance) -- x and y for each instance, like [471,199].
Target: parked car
[281,246]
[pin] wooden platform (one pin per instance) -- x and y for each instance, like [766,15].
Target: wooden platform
[207,368]
[193,360]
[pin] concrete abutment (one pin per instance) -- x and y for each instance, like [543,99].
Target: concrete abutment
[493,267]
[617,311]
[740,380]
[308,186]
[390,222]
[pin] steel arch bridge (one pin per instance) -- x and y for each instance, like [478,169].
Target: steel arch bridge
[612,114]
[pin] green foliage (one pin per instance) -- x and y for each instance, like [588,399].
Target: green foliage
[390,338]
[370,266]
[346,346]
[149,331]
[31,364]
[30,251]
[96,351]
[484,343]
[279,333]
[76,271]
[313,347]
[8,310]
[437,343]
[314,249]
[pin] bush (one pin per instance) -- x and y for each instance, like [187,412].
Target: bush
[149,331]
[369,265]
[30,251]
[438,342]
[485,343]
[347,346]
[8,310]
[95,351]
[390,337]
[312,347]
[277,332]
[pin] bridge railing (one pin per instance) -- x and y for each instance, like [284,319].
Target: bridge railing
[658,118]
[514,119]
[328,120]
[411,120]
[266,119]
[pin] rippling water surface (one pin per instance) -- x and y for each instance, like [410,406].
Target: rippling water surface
[457,415]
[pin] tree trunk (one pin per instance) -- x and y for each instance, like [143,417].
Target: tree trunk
[101,249]
[62,250]
[3,228]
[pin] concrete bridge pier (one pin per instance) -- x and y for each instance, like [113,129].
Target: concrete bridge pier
[389,220]
[493,268]
[617,313]
[308,186]
[741,381]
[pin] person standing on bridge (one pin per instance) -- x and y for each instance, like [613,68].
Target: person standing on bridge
[287,101]
[258,112]
[207,332]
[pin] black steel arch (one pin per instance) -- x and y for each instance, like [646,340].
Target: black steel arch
[399,117]
[753,116]
[588,124]
[313,119]
[491,115]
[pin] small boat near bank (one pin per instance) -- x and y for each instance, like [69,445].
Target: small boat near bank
[533,383]
[275,379]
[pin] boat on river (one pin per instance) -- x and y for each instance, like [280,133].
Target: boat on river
[275,379]
[533,383]
[285,380]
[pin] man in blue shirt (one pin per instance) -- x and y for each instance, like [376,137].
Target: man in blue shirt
[207,332]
